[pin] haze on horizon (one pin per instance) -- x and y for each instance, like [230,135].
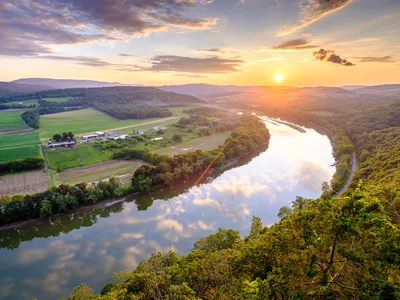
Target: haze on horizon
[243,42]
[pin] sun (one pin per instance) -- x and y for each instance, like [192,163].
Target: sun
[279,78]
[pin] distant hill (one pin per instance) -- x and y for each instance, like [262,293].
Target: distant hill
[10,88]
[382,90]
[49,83]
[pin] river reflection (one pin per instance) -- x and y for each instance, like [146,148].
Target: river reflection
[47,259]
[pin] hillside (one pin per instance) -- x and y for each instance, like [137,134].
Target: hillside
[11,88]
[50,83]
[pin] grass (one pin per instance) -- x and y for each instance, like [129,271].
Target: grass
[84,154]
[97,171]
[23,102]
[19,140]
[90,120]
[19,153]
[204,143]
[10,120]
[19,146]
[58,100]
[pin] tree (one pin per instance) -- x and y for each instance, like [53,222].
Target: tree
[284,212]
[57,137]
[177,138]
[45,209]
[167,178]
[256,227]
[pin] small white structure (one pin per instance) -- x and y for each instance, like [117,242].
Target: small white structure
[90,136]
[116,138]
[157,128]
[140,132]
[100,133]
[157,139]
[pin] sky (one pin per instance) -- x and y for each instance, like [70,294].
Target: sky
[242,42]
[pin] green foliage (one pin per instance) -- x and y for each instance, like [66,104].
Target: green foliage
[223,239]
[21,165]
[177,138]
[56,200]
[31,118]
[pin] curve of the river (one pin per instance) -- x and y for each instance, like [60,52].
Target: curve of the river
[48,258]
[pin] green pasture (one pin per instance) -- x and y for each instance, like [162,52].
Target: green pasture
[28,102]
[10,120]
[19,153]
[58,100]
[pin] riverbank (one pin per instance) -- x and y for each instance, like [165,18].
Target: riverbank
[227,165]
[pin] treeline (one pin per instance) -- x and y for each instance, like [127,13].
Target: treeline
[31,118]
[119,102]
[56,200]
[28,164]
[16,106]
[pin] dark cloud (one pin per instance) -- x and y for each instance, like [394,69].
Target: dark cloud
[124,55]
[38,24]
[295,44]
[330,56]
[311,11]
[181,64]
[381,59]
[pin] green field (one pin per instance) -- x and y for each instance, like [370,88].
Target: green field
[19,140]
[10,120]
[91,120]
[204,143]
[58,100]
[23,102]
[85,154]
[19,153]
[19,146]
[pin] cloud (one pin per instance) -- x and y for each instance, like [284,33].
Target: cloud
[380,59]
[124,55]
[207,65]
[32,27]
[295,44]
[330,56]
[312,11]
[169,224]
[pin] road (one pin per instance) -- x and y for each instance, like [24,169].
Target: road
[353,169]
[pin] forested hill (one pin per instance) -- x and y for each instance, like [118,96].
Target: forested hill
[122,102]
[327,248]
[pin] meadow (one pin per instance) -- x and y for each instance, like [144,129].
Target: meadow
[58,100]
[10,120]
[90,120]
[19,146]
[83,154]
[23,102]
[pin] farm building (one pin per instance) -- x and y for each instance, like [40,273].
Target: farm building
[60,144]
[100,133]
[90,136]
[157,128]
[157,139]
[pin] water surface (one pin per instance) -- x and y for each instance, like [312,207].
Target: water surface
[48,259]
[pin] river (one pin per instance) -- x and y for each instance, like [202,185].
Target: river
[47,259]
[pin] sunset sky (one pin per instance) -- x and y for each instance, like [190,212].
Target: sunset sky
[243,42]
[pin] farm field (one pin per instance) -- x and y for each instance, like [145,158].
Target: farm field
[91,120]
[85,154]
[10,120]
[24,183]
[19,146]
[98,171]
[23,102]
[203,143]
[58,100]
